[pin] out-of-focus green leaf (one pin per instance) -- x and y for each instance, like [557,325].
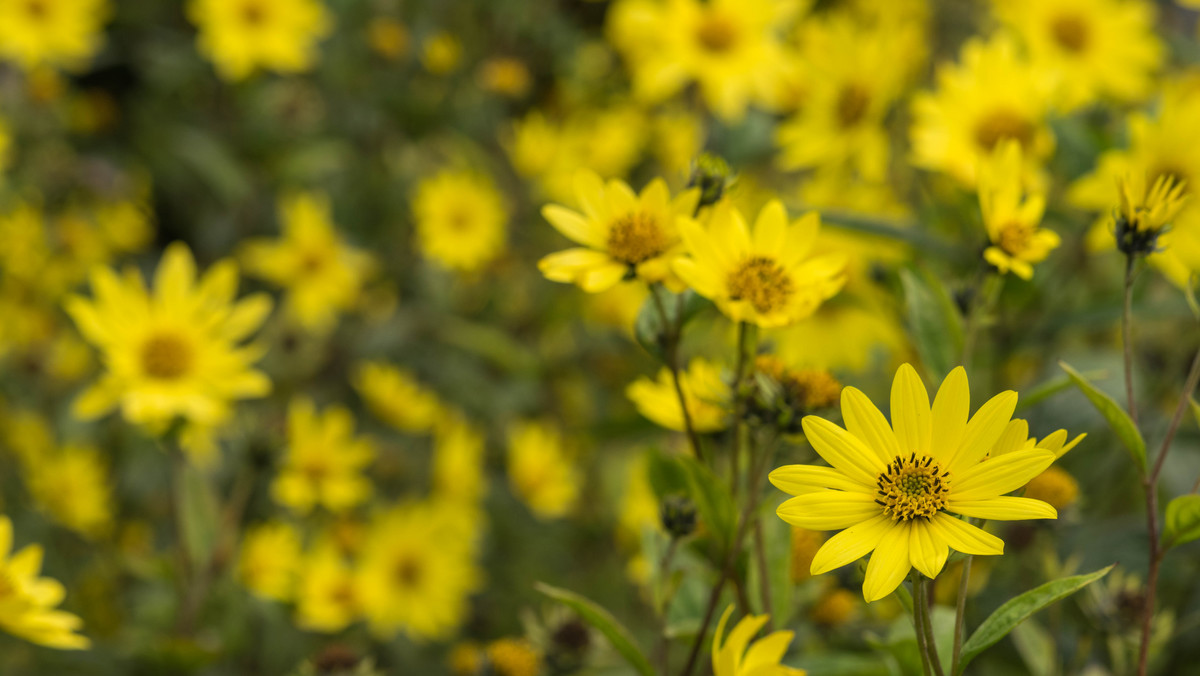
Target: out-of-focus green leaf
[198,515]
[933,320]
[844,664]
[1051,387]
[649,329]
[1037,648]
[1116,416]
[1017,609]
[604,622]
[667,477]
[1182,523]
[712,499]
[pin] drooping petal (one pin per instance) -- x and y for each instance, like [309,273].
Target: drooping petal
[910,411]
[984,430]
[889,563]
[800,479]
[1005,508]
[951,407]
[963,537]
[928,551]
[843,450]
[850,545]
[1000,475]
[828,510]
[865,421]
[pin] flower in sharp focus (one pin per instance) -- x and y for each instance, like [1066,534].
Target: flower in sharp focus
[27,601]
[762,275]
[243,36]
[324,462]
[738,655]
[896,489]
[707,395]
[175,352]
[624,235]
[1011,216]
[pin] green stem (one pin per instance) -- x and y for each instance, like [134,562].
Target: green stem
[960,612]
[671,337]
[1127,338]
[926,617]
[919,623]
[989,289]
[764,576]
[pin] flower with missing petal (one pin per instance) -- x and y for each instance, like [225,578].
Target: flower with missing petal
[898,490]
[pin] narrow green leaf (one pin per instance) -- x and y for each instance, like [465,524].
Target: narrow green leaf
[933,320]
[604,622]
[1182,523]
[1116,416]
[712,500]
[1051,387]
[1018,609]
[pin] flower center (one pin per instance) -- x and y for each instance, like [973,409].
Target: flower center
[716,33]
[37,10]
[762,282]
[1071,32]
[1001,124]
[912,487]
[408,572]
[1015,238]
[253,14]
[852,105]
[166,356]
[635,237]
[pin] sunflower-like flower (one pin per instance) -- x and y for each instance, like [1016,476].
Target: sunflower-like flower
[242,36]
[461,219]
[896,489]
[730,656]
[1012,218]
[176,353]
[27,601]
[764,276]
[540,470]
[324,461]
[61,33]
[624,235]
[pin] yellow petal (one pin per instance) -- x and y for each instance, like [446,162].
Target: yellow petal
[1006,508]
[864,421]
[767,651]
[928,551]
[828,510]
[910,411]
[843,450]
[573,226]
[999,475]
[963,537]
[983,431]
[770,228]
[889,563]
[1012,439]
[951,407]
[800,479]
[850,545]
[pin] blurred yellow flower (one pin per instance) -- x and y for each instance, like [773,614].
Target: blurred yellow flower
[441,53]
[459,464]
[396,397]
[624,235]
[324,462]
[73,487]
[506,76]
[803,389]
[738,655]
[388,37]
[638,508]
[1150,210]
[731,48]
[5,145]
[804,546]
[540,471]
[513,657]
[461,220]
[27,601]
[59,33]
[762,275]
[326,596]
[322,274]
[893,489]
[270,560]
[243,36]
[176,352]
[992,95]
[708,397]
[835,607]
[413,578]
[1055,487]
[1092,48]
[1011,214]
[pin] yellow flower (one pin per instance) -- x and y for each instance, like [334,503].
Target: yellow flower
[324,462]
[762,275]
[894,489]
[5,144]
[27,601]
[322,274]
[72,485]
[835,608]
[505,76]
[730,656]
[173,353]
[242,36]
[624,235]
[707,395]
[461,220]
[270,559]
[844,337]
[731,48]
[326,596]
[1092,48]
[396,397]
[855,73]
[639,507]
[540,471]
[411,577]
[991,96]
[1055,487]
[513,657]
[1016,438]
[59,33]
[458,461]
[388,37]
[441,53]
[1149,211]
[1011,217]
[801,389]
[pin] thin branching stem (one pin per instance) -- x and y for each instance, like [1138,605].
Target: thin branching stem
[1127,338]
[672,333]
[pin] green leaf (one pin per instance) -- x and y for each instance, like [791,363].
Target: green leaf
[604,622]
[649,329]
[1182,523]
[712,500]
[933,319]
[667,477]
[1044,391]
[1018,609]
[1116,416]
[197,513]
